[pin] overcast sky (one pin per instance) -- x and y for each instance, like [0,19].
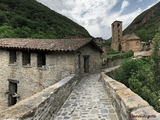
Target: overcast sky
[98,15]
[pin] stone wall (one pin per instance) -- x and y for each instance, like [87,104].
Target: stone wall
[129,106]
[95,58]
[134,45]
[113,63]
[43,105]
[4,82]
[32,79]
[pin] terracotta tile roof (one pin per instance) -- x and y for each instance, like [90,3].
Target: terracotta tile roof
[130,37]
[44,44]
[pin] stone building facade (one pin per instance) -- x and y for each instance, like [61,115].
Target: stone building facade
[131,42]
[28,66]
[116,35]
[146,46]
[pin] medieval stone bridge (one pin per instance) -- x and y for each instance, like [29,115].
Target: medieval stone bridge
[96,97]
[88,101]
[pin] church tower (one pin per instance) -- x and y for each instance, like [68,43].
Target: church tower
[116,35]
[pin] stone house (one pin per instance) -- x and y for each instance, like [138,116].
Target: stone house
[131,42]
[146,46]
[27,66]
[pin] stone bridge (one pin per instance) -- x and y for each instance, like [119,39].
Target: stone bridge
[96,97]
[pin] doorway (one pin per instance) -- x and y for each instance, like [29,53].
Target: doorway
[79,61]
[12,90]
[86,64]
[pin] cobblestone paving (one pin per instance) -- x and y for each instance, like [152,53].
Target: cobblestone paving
[88,101]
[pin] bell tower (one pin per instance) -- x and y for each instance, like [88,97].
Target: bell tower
[116,35]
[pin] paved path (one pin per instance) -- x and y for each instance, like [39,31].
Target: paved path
[88,101]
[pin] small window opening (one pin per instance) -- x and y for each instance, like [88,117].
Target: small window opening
[118,25]
[12,57]
[137,43]
[26,58]
[12,99]
[41,60]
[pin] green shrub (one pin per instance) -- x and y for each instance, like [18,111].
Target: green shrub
[137,75]
[111,52]
[121,55]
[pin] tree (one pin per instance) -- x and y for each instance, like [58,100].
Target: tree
[7,31]
[143,34]
[155,60]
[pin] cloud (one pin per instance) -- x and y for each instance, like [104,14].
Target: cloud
[125,3]
[98,15]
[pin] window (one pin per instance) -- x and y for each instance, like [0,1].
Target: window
[118,39]
[12,96]
[137,43]
[41,60]
[118,25]
[12,57]
[26,58]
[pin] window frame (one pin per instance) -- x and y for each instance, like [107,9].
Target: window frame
[26,58]
[41,60]
[12,57]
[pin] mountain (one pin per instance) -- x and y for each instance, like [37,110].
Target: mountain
[31,19]
[146,24]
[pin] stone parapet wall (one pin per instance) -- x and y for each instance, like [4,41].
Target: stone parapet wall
[111,63]
[129,105]
[43,105]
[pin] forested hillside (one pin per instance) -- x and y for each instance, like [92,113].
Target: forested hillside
[30,19]
[146,24]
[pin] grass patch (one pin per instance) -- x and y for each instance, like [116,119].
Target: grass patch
[113,55]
